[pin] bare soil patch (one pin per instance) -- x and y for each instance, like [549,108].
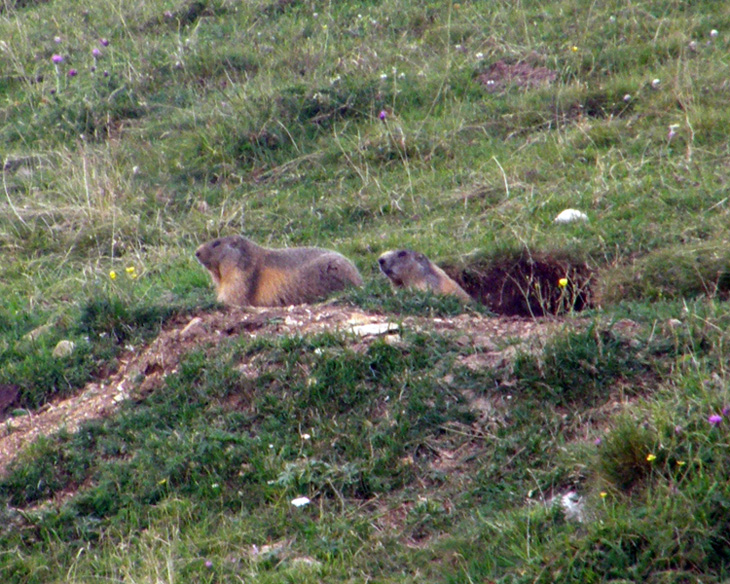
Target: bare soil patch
[143,369]
[500,76]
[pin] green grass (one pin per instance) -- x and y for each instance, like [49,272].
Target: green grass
[214,117]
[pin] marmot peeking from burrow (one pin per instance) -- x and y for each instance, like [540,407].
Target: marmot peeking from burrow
[411,269]
[246,274]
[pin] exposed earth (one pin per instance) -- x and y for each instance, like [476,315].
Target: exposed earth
[488,342]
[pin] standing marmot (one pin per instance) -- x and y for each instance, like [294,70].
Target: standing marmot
[410,269]
[246,274]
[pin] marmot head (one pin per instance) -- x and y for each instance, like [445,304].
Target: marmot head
[404,266]
[224,251]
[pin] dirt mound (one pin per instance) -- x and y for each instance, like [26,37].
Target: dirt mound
[143,369]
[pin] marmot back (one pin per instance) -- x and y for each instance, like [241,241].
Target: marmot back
[411,269]
[246,274]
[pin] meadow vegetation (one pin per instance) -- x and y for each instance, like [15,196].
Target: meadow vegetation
[133,131]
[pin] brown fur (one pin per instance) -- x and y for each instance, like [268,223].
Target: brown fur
[411,269]
[246,274]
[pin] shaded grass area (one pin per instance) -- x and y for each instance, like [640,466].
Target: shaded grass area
[361,432]
[391,446]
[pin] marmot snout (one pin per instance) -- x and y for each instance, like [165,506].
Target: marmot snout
[411,269]
[246,274]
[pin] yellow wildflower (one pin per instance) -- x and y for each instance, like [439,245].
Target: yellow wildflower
[604,494]
[113,275]
[563,282]
[650,458]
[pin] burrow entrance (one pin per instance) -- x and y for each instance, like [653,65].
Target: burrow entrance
[527,285]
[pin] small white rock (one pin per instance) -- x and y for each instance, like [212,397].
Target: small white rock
[572,505]
[301,501]
[375,329]
[63,349]
[570,215]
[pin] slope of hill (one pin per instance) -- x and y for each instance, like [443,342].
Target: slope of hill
[578,434]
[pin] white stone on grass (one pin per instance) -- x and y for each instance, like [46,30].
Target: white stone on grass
[570,215]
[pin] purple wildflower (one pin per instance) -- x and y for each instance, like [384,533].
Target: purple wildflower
[671,134]
[93,69]
[208,564]
[104,42]
[597,441]
[57,40]
[96,53]
[726,410]
[383,115]
[678,429]
[106,73]
[714,419]
[72,72]
[57,59]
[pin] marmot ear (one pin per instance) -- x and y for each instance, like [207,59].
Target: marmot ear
[420,258]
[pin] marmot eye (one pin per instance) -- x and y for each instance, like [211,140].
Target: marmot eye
[216,243]
[403,253]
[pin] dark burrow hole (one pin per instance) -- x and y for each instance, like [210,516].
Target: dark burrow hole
[527,285]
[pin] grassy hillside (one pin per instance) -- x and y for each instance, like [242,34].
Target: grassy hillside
[130,132]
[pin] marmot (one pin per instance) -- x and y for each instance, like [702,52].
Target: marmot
[410,269]
[246,274]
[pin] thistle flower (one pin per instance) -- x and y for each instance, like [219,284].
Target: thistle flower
[383,114]
[57,59]
[714,419]
[57,40]
[72,72]
[104,42]
[96,53]
[597,441]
